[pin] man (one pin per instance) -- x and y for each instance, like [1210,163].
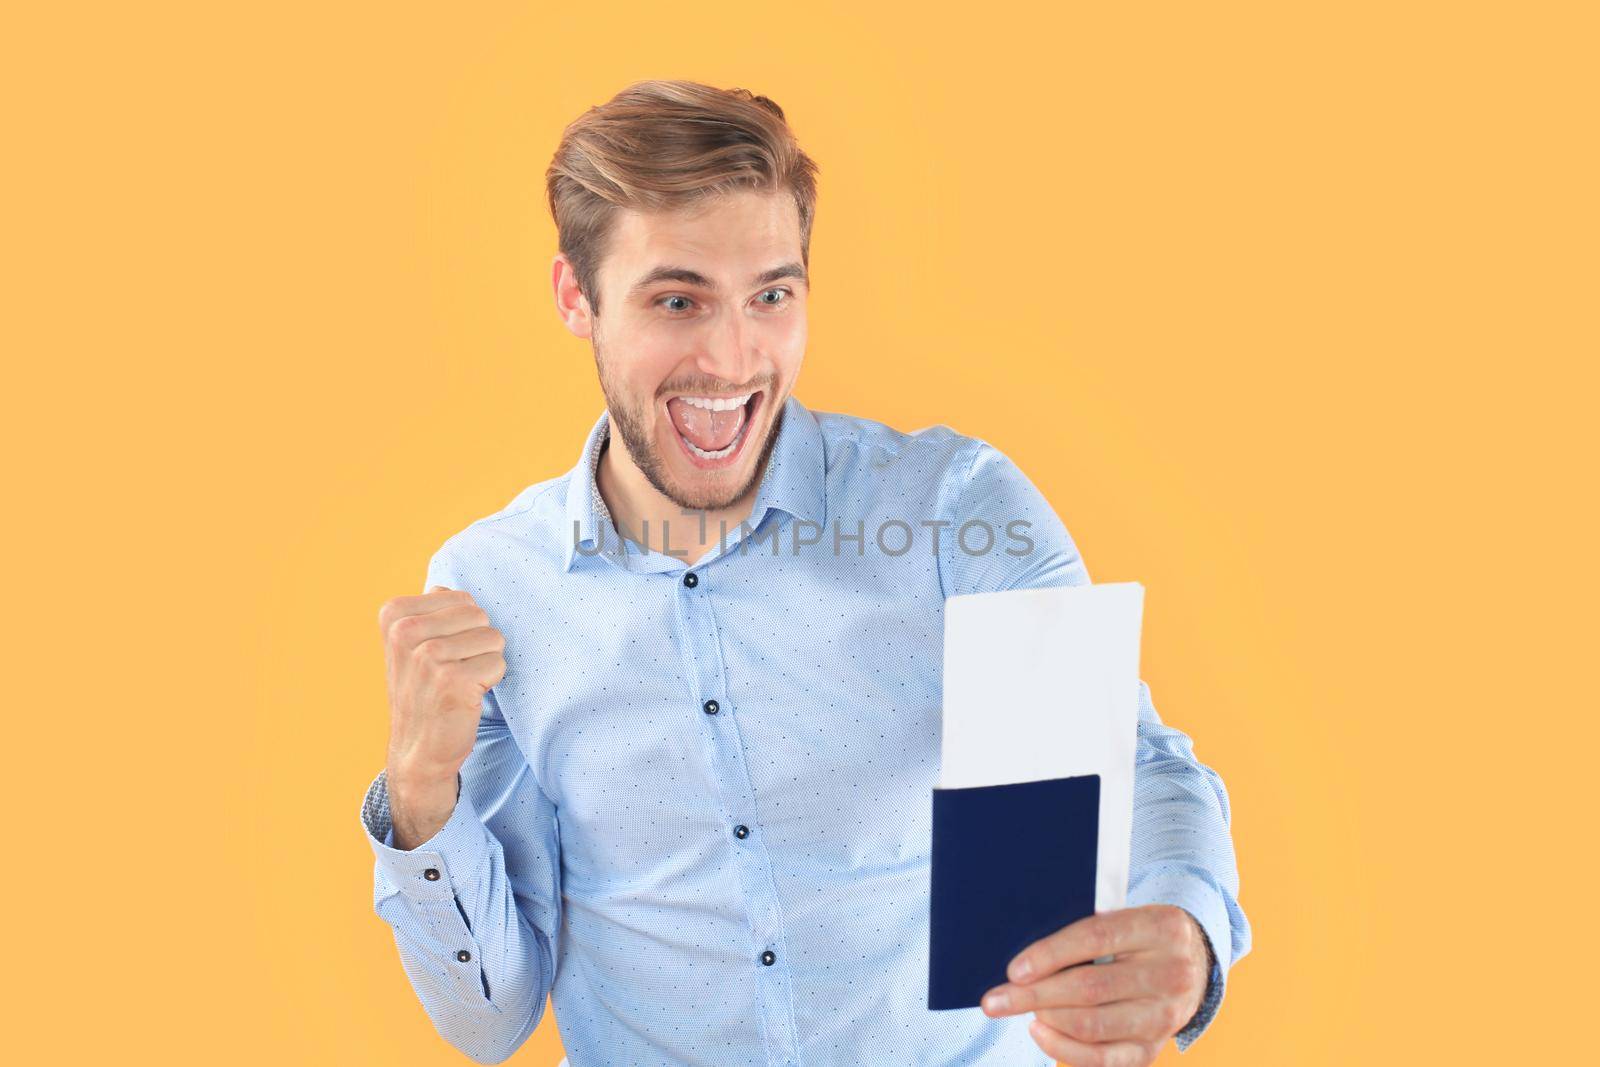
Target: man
[664,729]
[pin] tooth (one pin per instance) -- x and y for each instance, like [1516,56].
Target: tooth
[712,404]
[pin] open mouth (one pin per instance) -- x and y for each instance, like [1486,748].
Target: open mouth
[712,430]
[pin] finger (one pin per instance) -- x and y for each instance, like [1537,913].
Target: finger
[444,618]
[487,670]
[467,645]
[419,604]
[1079,1054]
[1081,987]
[1103,934]
[1143,1019]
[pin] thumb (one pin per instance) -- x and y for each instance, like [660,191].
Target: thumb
[433,588]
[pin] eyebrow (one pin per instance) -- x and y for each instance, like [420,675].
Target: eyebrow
[668,273]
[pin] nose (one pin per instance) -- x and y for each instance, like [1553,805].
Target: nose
[729,351]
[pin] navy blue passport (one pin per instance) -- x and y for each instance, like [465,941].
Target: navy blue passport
[1010,864]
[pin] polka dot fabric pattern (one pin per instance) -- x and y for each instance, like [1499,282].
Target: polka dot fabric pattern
[698,813]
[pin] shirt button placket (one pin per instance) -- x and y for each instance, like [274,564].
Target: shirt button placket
[733,784]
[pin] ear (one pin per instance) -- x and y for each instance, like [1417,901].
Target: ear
[571,304]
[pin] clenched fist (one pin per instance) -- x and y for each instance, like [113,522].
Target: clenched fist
[442,656]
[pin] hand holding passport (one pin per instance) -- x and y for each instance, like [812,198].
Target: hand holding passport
[1033,814]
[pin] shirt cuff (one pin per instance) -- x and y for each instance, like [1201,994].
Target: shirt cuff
[432,870]
[1188,892]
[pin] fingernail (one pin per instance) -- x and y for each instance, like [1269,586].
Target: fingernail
[996,1002]
[1020,969]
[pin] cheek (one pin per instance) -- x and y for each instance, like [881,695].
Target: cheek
[786,338]
[643,359]
[795,352]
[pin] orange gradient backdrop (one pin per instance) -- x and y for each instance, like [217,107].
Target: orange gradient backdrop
[1289,309]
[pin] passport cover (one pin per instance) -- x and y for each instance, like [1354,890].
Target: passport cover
[1010,864]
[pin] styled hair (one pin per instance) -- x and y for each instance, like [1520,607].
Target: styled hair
[664,145]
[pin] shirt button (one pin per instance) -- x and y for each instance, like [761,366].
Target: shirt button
[741,831]
[768,958]
[431,874]
[712,707]
[464,956]
[691,579]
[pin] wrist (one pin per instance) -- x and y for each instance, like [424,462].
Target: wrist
[419,808]
[1206,961]
[410,781]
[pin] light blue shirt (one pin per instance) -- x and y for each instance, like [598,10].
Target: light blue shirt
[698,810]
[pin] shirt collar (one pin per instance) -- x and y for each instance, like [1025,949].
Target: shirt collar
[793,481]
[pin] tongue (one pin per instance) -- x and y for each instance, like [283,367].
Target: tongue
[706,430]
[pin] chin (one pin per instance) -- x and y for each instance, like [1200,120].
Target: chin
[699,484]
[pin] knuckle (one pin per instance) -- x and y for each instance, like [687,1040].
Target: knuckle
[427,653]
[1173,1017]
[406,629]
[435,667]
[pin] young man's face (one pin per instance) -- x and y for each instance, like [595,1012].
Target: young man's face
[701,310]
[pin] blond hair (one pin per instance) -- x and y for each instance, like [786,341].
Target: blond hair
[669,144]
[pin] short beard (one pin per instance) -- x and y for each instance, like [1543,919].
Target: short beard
[633,427]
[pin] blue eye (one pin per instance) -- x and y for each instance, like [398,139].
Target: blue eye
[781,290]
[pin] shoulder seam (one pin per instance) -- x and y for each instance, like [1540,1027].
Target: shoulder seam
[896,442]
[507,514]
[976,446]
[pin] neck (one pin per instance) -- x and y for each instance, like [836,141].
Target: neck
[644,516]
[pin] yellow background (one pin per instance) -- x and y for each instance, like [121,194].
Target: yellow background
[1289,309]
